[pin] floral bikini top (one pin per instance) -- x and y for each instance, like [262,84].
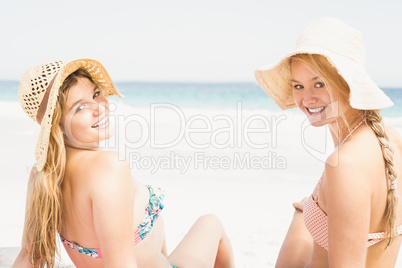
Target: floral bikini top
[152,212]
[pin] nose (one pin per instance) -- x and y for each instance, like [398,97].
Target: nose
[100,108]
[309,97]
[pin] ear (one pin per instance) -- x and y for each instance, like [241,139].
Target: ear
[61,125]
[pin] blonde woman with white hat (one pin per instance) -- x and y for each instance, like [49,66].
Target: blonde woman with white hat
[86,198]
[351,218]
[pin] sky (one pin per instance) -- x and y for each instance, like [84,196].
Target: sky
[187,41]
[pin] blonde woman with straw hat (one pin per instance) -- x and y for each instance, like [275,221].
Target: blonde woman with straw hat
[85,197]
[351,218]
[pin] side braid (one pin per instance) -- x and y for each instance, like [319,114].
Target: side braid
[374,120]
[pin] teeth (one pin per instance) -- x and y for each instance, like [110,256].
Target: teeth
[316,110]
[100,123]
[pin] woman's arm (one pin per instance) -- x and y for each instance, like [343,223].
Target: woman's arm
[22,259]
[112,195]
[348,204]
[297,247]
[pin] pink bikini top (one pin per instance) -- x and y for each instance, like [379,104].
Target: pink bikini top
[316,220]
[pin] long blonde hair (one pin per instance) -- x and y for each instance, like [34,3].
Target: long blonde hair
[45,205]
[340,88]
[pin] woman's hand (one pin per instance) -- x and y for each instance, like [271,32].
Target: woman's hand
[300,205]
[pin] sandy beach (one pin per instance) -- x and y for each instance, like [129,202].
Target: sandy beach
[252,197]
[194,120]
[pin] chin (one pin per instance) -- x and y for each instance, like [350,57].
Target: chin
[319,122]
[105,133]
[106,137]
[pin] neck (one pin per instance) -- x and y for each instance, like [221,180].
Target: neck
[340,129]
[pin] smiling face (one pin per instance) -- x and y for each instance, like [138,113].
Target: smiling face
[312,96]
[85,119]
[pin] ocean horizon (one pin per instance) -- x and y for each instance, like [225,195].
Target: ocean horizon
[199,95]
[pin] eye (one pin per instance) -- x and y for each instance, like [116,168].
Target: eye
[80,107]
[320,84]
[96,94]
[298,87]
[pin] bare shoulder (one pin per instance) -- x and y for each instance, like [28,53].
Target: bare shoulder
[360,149]
[343,164]
[108,171]
[349,155]
[106,160]
[93,163]
[358,161]
[346,180]
[32,178]
[350,165]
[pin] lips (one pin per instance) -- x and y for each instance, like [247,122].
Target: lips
[317,110]
[101,123]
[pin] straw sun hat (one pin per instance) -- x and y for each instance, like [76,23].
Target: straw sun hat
[38,96]
[343,47]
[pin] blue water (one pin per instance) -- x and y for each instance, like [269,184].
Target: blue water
[199,95]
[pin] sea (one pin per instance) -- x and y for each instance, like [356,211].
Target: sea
[199,95]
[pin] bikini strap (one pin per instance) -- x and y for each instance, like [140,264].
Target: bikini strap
[315,194]
[350,133]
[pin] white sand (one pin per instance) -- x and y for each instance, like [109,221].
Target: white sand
[253,204]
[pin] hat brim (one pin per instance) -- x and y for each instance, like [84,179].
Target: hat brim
[365,94]
[100,76]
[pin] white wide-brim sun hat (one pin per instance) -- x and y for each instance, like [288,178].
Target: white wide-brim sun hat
[38,96]
[343,47]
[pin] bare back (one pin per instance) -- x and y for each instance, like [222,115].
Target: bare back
[371,174]
[78,220]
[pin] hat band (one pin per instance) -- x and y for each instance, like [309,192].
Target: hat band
[43,104]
